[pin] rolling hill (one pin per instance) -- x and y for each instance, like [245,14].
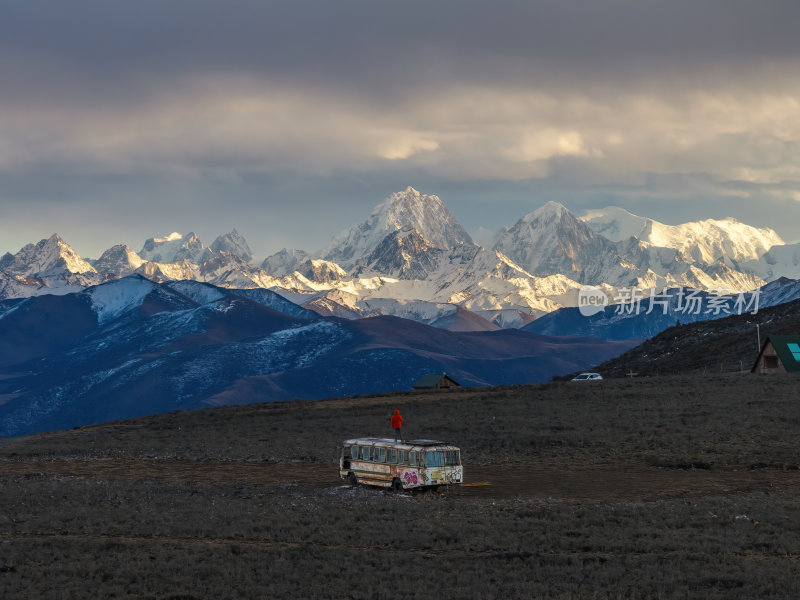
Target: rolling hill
[133,347]
[728,344]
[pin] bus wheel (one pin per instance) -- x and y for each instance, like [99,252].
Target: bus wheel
[352,479]
[397,485]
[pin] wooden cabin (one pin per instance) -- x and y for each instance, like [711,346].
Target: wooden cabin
[779,354]
[435,381]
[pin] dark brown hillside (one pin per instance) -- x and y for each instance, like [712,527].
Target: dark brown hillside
[726,345]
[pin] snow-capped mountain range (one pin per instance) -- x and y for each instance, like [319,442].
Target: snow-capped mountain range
[412,258]
[708,241]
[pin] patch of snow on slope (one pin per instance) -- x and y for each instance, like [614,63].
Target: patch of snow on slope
[223,306]
[292,348]
[417,310]
[101,376]
[12,309]
[110,300]
[318,338]
[202,293]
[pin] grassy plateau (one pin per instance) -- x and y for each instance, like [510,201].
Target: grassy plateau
[658,487]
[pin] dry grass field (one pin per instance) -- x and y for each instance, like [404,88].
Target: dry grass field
[657,487]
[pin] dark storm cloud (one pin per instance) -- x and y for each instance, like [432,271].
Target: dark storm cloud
[132,48]
[156,107]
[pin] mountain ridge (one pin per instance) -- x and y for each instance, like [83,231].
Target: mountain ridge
[412,248]
[705,241]
[133,346]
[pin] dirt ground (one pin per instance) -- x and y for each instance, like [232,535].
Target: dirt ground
[600,483]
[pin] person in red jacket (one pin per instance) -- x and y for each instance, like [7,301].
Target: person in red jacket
[397,423]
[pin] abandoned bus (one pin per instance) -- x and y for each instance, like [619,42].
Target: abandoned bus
[400,465]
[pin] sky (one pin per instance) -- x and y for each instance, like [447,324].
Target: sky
[290,121]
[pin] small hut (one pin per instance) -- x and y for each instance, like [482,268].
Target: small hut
[435,381]
[780,354]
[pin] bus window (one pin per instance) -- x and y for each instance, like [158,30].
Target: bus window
[346,452]
[353,452]
[452,458]
[434,458]
[391,456]
[380,454]
[412,458]
[402,457]
[364,452]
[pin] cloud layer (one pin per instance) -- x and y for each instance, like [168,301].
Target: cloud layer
[630,97]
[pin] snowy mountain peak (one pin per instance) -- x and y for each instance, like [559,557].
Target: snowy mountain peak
[120,260]
[706,241]
[547,211]
[550,215]
[233,243]
[173,248]
[427,214]
[48,256]
[407,210]
[320,270]
[552,240]
[617,224]
[284,262]
[170,238]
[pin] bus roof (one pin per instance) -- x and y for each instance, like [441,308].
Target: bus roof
[391,442]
